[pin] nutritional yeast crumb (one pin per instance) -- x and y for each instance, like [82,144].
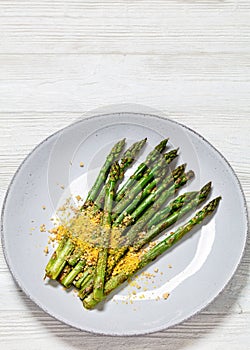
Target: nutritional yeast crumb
[43,228]
[165,296]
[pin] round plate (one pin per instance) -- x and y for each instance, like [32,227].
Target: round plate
[193,273]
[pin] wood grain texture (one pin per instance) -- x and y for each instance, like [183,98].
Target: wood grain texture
[189,59]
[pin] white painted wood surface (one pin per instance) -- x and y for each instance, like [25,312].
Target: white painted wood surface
[188,58]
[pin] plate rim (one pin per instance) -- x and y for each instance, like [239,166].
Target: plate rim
[159,328]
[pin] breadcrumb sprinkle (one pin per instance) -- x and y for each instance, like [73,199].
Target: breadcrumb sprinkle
[165,296]
[42,228]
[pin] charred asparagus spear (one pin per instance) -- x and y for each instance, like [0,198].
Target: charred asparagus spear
[106,224]
[101,178]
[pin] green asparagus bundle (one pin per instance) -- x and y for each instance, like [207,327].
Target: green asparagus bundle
[116,225]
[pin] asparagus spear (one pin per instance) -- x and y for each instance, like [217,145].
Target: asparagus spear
[154,252]
[74,257]
[69,277]
[159,169]
[165,223]
[55,255]
[66,270]
[106,223]
[54,269]
[86,287]
[152,157]
[171,208]
[115,152]
[127,159]
[79,280]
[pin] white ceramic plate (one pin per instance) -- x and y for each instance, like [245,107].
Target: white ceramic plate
[202,264]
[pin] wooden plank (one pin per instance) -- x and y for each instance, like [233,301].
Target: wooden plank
[121,27]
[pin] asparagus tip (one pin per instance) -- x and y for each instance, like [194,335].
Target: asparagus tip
[211,206]
[160,147]
[206,189]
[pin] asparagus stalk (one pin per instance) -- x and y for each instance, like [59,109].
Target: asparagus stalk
[106,223]
[86,287]
[171,208]
[60,259]
[79,280]
[101,178]
[154,252]
[69,278]
[159,169]
[55,255]
[66,270]
[151,158]
[74,257]
[126,161]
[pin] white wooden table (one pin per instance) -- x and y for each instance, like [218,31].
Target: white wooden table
[189,59]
